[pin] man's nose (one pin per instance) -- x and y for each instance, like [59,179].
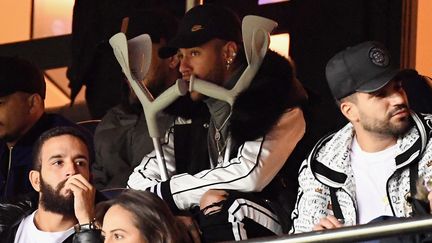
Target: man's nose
[71,169]
[399,97]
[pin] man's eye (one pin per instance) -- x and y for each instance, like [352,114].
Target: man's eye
[58,162]
[194,53]
[118,236]
[80,162]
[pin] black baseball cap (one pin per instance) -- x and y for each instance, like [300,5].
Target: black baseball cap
[17,74]
[366,67]
[201,24]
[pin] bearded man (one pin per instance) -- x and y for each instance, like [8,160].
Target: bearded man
[65,207]
[367,171]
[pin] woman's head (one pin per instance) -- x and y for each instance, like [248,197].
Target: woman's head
[138,216]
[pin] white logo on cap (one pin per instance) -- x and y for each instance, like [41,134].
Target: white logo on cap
[379,57]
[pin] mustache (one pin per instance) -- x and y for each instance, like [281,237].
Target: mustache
[61,185]
[397,109]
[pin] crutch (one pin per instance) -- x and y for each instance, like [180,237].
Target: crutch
[134,57]
[256,40]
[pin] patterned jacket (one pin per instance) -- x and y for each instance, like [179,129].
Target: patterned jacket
[328,166]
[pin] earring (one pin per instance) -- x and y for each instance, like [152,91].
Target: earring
[228,63]
[230,60]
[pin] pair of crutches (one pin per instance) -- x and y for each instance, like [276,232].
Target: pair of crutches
[134,57]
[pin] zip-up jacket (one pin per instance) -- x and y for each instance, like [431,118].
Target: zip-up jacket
[265,126]
[328,166]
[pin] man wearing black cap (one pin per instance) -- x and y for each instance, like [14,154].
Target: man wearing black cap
[370,167]
[22,120]
[264,125]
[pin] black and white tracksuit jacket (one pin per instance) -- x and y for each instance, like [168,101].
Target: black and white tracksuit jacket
[328,166]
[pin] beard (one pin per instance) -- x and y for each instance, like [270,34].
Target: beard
[52,200]
[216,74]
[386,126]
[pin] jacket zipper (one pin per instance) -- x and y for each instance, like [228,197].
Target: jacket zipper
[398,170]
[8,171]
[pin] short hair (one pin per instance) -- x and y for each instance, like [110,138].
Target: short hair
[151,214]
[349,98]
[56,132]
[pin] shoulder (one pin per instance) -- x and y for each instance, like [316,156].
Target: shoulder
[13,211]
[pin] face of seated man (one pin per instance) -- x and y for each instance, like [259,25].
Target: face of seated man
[206,62]
[64,170]
[383,112]
[16,116]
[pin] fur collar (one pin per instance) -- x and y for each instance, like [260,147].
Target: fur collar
[273,90]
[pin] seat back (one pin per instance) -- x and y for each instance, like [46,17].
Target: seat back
[89,125]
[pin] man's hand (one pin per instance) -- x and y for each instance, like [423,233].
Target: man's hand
[191,227]
[84,196]
[329,222]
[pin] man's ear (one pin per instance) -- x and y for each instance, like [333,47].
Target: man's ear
[230,50]
[173,62]
[349,110]
[35,102]
[34,177]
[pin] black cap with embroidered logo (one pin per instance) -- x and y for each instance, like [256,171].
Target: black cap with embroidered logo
[17,74]
[366,67]
[201,24]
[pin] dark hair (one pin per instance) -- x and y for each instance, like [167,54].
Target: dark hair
[151,216]
[56,132]
[349,98]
